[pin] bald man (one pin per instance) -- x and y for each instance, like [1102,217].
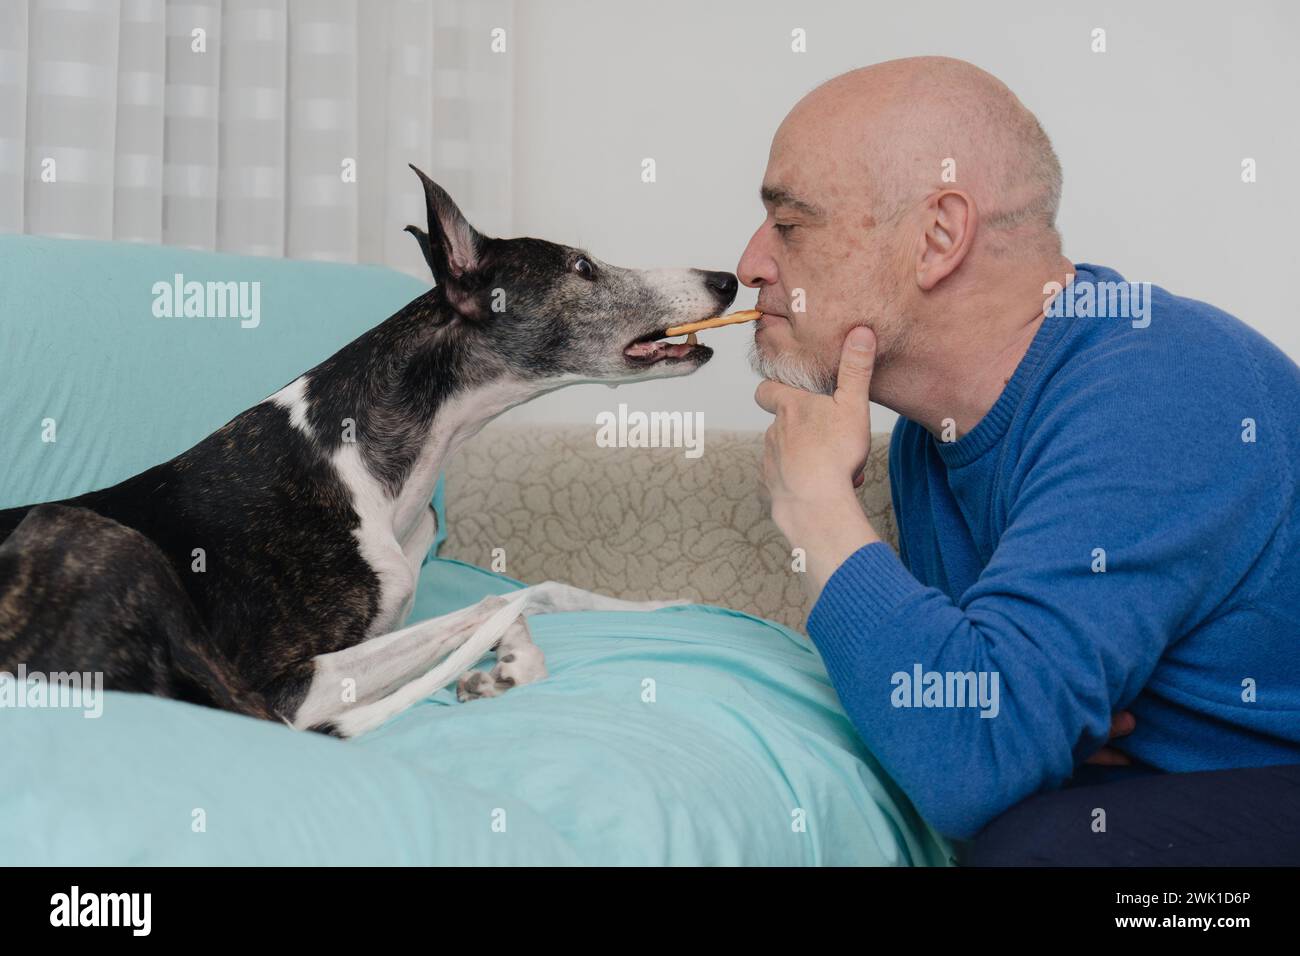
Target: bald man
[1094,482]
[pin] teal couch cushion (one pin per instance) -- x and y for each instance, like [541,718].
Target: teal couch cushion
[81,348]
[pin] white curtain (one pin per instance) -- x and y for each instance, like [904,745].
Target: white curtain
[233,125]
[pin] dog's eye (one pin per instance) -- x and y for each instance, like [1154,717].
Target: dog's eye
[582,265]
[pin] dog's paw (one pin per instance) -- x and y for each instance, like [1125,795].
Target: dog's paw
[476,684]
[520,664]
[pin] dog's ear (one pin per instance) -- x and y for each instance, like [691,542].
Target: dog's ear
[452,245]
[422,238]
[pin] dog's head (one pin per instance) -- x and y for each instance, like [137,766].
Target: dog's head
[555,314]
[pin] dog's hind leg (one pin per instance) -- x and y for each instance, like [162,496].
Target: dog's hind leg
[80,592]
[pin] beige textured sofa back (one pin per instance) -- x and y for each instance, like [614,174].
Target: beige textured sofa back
[634,522]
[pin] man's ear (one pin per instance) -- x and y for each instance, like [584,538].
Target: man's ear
[451,246]
[950,222]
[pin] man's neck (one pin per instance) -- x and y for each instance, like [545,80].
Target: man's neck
[961,366]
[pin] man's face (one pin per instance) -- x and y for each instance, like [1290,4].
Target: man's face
[820,261]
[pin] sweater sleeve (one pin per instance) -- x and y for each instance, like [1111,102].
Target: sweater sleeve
[1130,515]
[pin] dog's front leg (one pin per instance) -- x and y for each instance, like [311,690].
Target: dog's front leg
[552,596]
[399,660]
[519,662]
[367,672]
[357,719]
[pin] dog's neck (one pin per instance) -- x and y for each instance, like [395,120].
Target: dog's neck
[456,421]
[403,397]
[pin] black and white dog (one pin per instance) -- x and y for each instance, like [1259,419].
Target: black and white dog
[313,542]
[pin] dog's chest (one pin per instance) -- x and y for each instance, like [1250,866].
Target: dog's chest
[395,531]
[391,543]
[392,534]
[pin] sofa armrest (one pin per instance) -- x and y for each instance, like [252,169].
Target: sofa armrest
[634,523]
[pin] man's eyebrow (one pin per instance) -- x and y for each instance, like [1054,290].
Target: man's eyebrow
[780,196]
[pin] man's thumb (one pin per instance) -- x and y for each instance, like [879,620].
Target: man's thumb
[857,359]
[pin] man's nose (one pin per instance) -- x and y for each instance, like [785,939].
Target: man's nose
[756,266]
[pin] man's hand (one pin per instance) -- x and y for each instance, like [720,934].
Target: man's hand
[813,455]
[818,444]
[1121,725]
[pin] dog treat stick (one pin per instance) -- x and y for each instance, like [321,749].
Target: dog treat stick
[748,315]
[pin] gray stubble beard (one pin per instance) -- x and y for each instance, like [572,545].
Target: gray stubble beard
[799,370]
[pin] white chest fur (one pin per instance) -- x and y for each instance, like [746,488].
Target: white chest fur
[395,560]
[394,563]
[396,531]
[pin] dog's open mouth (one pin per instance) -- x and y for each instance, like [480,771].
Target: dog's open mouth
[650,350]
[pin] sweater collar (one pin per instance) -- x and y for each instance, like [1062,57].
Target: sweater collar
[990,429]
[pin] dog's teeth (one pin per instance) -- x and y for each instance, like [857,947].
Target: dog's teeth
[692,340]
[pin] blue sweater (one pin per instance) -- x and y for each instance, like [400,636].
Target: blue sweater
[1119,531]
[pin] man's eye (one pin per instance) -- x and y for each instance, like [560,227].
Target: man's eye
[784,228]
[584,268]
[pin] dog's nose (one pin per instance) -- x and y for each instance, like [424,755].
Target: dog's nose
[722,284]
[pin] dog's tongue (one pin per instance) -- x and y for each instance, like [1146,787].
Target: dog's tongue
[657,350]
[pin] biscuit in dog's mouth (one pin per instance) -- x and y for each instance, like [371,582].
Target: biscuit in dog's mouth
[648,349]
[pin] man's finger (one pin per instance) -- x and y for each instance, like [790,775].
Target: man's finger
[857,359]
[1109,757]
[769,394]
[1121,724]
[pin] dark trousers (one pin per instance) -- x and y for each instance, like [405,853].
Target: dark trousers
[1244,817]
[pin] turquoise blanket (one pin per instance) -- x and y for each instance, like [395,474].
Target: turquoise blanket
[682,736]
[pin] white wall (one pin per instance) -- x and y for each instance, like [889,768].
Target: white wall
[1151,135]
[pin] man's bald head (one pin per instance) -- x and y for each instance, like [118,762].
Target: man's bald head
[908,197]
[904,119]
